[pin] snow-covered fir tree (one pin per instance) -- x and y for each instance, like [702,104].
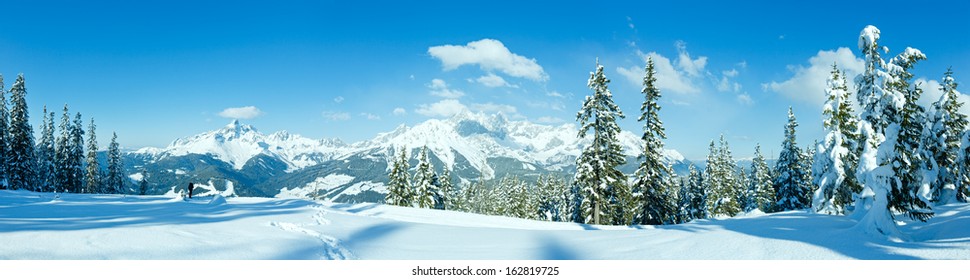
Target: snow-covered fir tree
[425,189]
[46,154]
[944,139]
[602,185]
[552,200]
[760,194]
[115,181]
[518,202]
[692,202]
[448,190]
[76,152]
[654,203]
[912,165]
[836,159]
[883,97]
[399,187]
[792,183]
[92,174]
[66,181]
[20,163]
[721,181]
[4,136]
[963,173]
[743,181]
[808,160]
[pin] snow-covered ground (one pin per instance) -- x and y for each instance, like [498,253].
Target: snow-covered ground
[40,226]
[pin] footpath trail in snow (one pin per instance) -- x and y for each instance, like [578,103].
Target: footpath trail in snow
[40,226]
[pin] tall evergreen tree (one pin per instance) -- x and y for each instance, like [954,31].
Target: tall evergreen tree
[909,161]
[835,162]
[602,184]
[425,190]
[64,167]
[793,181]
[721,181]
[92,173]
[743,182]
[760,194]
[447,188]
[656,206]
[46,155]
[76,154]
[4,137]
[880,117]
[115,181]
[20,163]
[944,142]
[399,189]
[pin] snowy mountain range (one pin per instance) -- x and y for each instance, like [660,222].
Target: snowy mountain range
[471,145]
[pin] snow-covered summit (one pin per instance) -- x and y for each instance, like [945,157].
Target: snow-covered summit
[470,137]
[237,143]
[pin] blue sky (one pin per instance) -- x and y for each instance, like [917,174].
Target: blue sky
[155,71]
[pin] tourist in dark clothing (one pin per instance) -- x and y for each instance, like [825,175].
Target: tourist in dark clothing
[191,187]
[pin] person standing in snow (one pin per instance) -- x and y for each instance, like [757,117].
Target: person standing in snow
[191,187]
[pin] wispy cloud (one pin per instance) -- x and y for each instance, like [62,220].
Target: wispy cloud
[492,80]
[370,116]
[439,88]
[336,116]
[247,112]
[669,77]
[399,111]
[443,108]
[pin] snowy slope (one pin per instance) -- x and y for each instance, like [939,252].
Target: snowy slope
[39,226]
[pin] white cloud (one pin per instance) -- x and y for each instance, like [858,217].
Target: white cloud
[399,111]
[440,88]
[745,99]
[489,55]
[370,116]
[244,113]
[338,99]
[554,94]
[730,73]
[495,108]
[492,80]
[808,83]
[336,116]
[443,108]
[668,77]
[548,119]
[932,93]
[725,84]
[693,67]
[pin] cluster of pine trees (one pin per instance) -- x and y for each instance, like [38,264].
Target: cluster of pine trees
[894,157]
[53,164]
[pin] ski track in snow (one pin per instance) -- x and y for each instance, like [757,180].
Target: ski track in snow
[332,249]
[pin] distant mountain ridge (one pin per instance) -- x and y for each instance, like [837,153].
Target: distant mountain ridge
[471,145]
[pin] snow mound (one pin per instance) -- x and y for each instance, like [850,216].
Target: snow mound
[217,200]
